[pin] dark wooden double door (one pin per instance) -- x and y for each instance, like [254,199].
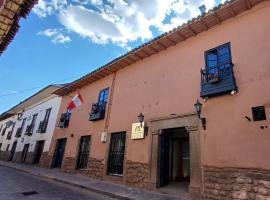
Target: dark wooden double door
[59,153]
[38,151]
[12,152]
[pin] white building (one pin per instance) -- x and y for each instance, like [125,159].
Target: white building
[26,130]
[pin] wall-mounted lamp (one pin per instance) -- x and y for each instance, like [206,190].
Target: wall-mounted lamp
[198,109]
[141,120]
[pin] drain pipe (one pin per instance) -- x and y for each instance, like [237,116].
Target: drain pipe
[107,121]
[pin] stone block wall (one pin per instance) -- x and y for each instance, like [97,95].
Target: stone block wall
[45,160]
[4,155]
[234,183]
[17,157]
[29,158]
[96,168]
[137,174]
[68,164]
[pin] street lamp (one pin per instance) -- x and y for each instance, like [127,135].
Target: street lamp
[198,109]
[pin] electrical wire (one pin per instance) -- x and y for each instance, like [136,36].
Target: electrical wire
[38,87]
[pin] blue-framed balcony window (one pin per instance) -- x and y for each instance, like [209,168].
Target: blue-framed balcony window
[98,109]
[217,78]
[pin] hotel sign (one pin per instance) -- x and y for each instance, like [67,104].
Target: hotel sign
[137,131]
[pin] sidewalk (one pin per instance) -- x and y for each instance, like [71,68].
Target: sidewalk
[103,187]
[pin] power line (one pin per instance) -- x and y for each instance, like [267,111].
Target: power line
[38,87]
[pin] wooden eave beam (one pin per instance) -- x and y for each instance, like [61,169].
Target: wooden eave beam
[131,59]
[15,2]
[138,55]
[216,17]
[181,35]
[153,48]
[248,3]
[162,45]
[5,23]
[171,40]
[231,10]
[192,30]
[3,29]
[146,53]
[127,63]
[120,64]
[106,72]
[8,9]
[6,16]
[204,24]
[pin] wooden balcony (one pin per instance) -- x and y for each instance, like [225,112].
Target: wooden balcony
[64,120]
[98,111]
[217,81]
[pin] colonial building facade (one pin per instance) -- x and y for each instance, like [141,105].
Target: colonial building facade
[188,110]
[137,124]
[26,130]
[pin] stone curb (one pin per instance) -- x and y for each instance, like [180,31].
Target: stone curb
[109,194]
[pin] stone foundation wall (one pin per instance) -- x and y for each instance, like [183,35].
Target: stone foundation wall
[29,158]
[68,164]
[45,160]
[17,157]
[96,168]
[137,174]
[233,183]
[4,155]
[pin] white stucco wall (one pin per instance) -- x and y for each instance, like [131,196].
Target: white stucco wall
[39,108]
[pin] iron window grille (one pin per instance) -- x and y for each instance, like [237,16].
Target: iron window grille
[20,129]
[43,124]
[4,130]
[116,154]
[84,150]
[30,128]
[9,135]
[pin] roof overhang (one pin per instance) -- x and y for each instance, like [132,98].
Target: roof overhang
[190,29]
[10,13]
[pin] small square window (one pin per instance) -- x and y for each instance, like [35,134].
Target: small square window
[258,113]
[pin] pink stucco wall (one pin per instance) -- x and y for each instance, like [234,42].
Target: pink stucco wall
[79,124]
[169,82]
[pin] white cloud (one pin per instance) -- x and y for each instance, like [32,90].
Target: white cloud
[120,21]
[46,8]
[56,35]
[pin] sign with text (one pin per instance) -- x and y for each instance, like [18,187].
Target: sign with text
[137,131]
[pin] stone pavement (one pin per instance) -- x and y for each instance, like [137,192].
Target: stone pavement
[102,187]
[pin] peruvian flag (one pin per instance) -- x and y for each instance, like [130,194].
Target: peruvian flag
[75,102]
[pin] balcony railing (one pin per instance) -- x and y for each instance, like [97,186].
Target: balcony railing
[9,135]
[28,130]
[64,120]
[4,131]
[98,111]
[217,80]
[18,132]
[41,127]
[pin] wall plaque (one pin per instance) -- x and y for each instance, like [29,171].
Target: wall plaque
[137,131]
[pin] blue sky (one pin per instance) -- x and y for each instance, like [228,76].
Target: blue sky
[61,40]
